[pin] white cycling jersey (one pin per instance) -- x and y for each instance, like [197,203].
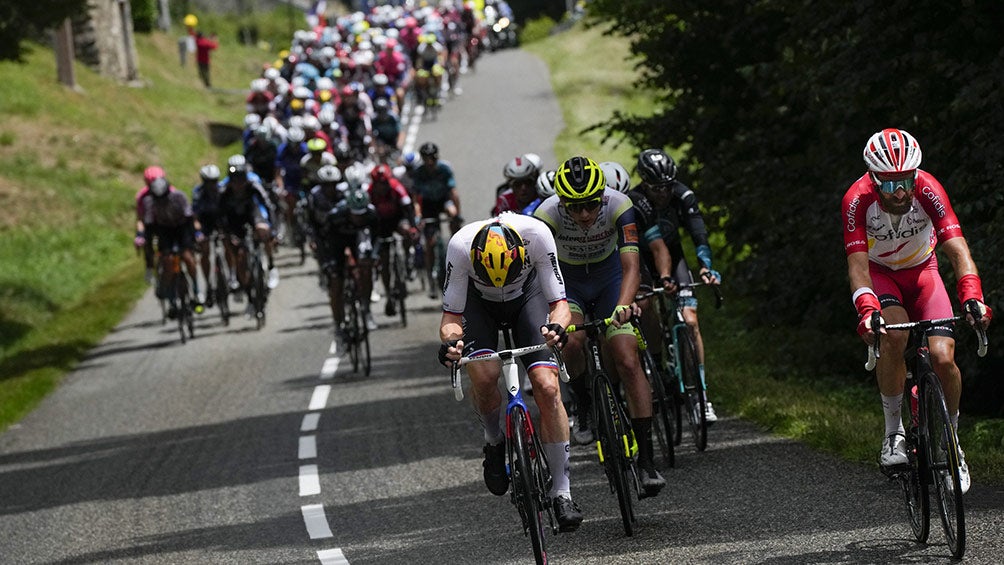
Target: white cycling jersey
[540,267]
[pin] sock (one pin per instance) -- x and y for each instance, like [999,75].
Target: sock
[700,370]
[493,427]
[955,421]
[643,435]
[892,407]
[557,464]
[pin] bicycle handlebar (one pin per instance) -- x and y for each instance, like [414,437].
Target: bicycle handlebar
[873,350]
[504,355]
[662,290]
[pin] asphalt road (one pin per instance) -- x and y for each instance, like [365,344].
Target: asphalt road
[249,446]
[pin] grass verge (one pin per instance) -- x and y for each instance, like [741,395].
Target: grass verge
[747,372]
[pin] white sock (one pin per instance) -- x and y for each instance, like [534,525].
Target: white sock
[493,426]
[955,421]
[892,407]
[557,462]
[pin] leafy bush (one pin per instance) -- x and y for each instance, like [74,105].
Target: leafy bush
[144,15]
[535,30]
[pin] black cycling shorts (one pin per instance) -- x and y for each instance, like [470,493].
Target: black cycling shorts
[483,319]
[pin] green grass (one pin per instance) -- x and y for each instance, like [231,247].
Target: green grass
[748,375]
[70,164]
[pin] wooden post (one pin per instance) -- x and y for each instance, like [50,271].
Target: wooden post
[64,54]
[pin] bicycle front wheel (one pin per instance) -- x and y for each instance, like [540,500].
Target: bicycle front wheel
[662,416]
[694,399]
[943,459]
[612,445]
[222,290]
[526,495]
[400,287]
[915,492]
[364,346]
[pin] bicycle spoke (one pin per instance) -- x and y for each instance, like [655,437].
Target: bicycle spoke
[943,453]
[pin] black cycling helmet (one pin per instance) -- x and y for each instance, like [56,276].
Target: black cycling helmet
[429,149]
[579,178]
[655,166]
[381,105]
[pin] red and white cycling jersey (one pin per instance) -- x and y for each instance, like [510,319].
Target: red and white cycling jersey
[898,241]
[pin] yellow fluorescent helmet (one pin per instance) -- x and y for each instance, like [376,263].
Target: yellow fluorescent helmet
[191,21]
[497,254]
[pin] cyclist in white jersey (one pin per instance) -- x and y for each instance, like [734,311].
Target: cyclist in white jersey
[597,241]
[504,271]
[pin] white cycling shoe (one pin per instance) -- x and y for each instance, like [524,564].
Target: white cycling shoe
[709,413]
[964,480]
[893,451]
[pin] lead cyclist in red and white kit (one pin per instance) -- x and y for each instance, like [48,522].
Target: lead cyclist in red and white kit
[894,216]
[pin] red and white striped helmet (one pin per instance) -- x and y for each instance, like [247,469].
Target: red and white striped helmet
[892,151]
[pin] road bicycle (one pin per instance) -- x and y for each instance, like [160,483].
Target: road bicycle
[173,288]
[664,412]
[398,274]
[435,274]
[616,444]
[529,474]
[355,334]
[681,363]
[932,445]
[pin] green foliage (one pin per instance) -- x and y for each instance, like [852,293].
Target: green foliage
[535,30]
[25,19]
[776,100]
[144,15]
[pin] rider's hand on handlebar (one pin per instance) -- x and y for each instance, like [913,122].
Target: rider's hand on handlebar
[623,312]
[711,276]
[865,329]
[451,352]
[668,283]
[554,334]
[975,307]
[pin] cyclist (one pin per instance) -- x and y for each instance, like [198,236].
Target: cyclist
[206,207]
[243,203]
[597,243]
[502,271]
[338,217]
[395,212]
[168,217]
[317,156]
[150,174]
[545,189]
[664,205]
[436,186]
[894,216]
[386,130]
[521,177]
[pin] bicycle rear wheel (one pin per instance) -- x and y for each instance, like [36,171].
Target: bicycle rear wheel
[662,417]
[694,398]
[259,292]
[353,329]
[181,305]
[943,459]
[612,445]
[363,343]
[222,290]
[525,492]
[400,287]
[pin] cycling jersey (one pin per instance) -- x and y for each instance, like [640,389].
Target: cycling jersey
[434,183]
[898,241]
[288,160]
[540,267]
[613,230]
[170,220]
[392,206]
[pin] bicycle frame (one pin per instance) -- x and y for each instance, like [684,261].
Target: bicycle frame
[528,469]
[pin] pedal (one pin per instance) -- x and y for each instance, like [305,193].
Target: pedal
[896,472]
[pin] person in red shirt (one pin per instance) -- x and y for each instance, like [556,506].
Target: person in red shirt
[203,45]
[894,217]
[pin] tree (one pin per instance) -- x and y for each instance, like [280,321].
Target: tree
[774,101]
[21,20]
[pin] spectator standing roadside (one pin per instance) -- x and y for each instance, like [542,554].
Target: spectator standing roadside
[203,45]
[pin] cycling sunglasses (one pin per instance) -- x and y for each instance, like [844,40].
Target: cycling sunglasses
[587,205]
[891,186]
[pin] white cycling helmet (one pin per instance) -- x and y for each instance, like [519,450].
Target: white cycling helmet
[329,173]
[545,184]
[616,176]
[210,172]
[534,160]
[892,150]
[259,85]
[519,168]
[237,161]
[295,135]
[356,175]
[251,120]
[159,187]
[326,116]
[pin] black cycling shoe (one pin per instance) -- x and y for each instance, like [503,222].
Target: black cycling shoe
[651,482]
[390,309]
[567,513]
[496,478]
